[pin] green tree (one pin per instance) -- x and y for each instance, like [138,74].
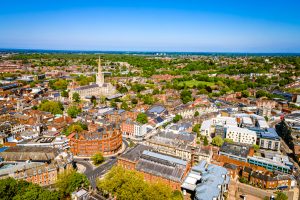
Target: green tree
[186,96]
[68,181]
[75,127]
[94,100]
[58,84]
[76,97]
[227,140]
[20,190]
[196,114]
[245,93]
[73,111]
[127,184]
[142,118]
[177,195]
[134,101]
[124,105]
[53,107]
[113,104]
[196,128]
[255,147]
[177,118]
[205,141]
[217,141]
[281,196]
[98,158]
[64,93]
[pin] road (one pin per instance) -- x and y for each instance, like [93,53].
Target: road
[94,173]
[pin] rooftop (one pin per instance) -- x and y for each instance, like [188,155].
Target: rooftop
[240,150]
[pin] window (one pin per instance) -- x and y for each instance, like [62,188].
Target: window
[269,144]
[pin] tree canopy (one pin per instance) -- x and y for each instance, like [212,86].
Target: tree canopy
[51,106]
[98,158]
[76,97]
[217,141]
[177,118]
[23,190]
[69,180]
[73,111]
[142,118]
[127,184]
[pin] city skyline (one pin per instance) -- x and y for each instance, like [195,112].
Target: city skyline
[151,26]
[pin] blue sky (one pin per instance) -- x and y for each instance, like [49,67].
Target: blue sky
[165,25]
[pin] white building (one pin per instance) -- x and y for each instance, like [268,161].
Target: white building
[241,135]
[228,121]
[206,128]
[140,130]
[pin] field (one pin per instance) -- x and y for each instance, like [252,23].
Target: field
[193,83]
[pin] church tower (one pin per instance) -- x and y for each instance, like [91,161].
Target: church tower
[100,76]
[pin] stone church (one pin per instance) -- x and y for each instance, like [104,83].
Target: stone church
[100,88]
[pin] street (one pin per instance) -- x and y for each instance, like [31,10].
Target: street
[93,174]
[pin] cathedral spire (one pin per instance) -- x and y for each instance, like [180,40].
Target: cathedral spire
[99,77]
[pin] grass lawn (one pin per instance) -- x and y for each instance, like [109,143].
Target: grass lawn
[193,83]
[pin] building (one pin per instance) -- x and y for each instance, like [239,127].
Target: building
[39,165]
[106,139]
[269,139]
[236,151]
[179,145]
[100,88]
[241,135]
[206,182]
[155,166]
[133,130]
[270,164]
[268,180]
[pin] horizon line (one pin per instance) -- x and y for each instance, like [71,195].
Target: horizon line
[145,51]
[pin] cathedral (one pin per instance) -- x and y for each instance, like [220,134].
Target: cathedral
[100,88]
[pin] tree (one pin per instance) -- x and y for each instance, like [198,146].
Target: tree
[205,142]
[69,180]
[245,93]
[76,97]
[98,158]
[196,114]
[255,147]
[64,93]
[51,106]
[196,128]
[177,118]
[155,91]
[186,96]
[128,184]
[142,118]
[124,105]
[113,104]
[94,100]
[20,190]
[134,101]
[217,141]
[73,111]
[266,118]
[227,140]
[281,196]
[75,127]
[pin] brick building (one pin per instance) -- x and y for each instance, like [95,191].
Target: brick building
[107,140]
[155,166]
[267,180]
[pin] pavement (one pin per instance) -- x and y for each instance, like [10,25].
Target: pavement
[92,173]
